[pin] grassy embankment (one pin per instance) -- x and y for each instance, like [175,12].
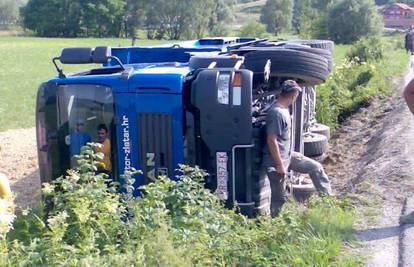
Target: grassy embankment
[354,84]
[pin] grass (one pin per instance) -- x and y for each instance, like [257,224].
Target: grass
[26,63]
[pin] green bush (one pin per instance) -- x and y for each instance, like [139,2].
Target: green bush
[367,50]
[354,83]
[346,90]
[253,29]
[175,223]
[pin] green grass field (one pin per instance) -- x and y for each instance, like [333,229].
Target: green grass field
[26,63]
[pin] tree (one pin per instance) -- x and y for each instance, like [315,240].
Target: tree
[73,18]
[135,16]
[312,18]
[44,17]
[103,18]
[277,15]
[253,29]
[177,19]
[350,20]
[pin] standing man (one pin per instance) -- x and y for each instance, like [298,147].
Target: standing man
[105,149]
[278,156]
[409,39]
[409,99]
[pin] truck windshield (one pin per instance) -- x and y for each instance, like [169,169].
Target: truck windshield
[68,117]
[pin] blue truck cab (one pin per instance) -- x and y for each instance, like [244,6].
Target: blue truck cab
[195,102]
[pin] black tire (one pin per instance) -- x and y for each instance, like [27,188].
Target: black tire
[308,68]
[261,186]
[302,192]
[314,144]
[322,44]
[317,51]
[322,129]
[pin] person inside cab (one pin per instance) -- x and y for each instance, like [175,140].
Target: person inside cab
[105,165]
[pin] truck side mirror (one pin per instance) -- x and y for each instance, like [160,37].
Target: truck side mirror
[76,55]
[85,55]
[101,54]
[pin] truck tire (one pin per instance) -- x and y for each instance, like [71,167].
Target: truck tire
[317,51]
[309,68]
[261,186]
[314,144]
[322,129]
[301,192]
[322,44]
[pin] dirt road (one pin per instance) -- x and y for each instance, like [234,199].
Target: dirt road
[18,160]
[371,160]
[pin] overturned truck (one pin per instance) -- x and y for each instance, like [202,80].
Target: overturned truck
[199,102]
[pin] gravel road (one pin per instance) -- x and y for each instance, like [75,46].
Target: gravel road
[18,160]
[372,161]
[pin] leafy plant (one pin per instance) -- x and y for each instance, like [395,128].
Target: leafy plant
[175,223]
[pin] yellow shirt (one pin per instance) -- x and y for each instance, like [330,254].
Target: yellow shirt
[106,150]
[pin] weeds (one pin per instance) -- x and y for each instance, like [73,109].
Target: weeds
[361,77]
[175,223]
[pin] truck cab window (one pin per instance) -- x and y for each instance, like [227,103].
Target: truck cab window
[69,117]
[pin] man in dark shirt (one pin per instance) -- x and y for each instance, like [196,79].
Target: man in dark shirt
[278,156]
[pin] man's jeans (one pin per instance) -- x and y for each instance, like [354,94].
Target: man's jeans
[298,163]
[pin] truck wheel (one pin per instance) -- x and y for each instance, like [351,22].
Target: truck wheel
[261,187]
[309,68]
[322,129]
[317,51]
[314,144]
[301,192]
[322,44]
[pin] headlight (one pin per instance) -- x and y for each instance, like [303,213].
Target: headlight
[223,88]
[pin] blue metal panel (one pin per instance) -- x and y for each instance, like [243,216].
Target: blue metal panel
[127,108]
[113,80]
[126,131]
[163,83]
[133,55]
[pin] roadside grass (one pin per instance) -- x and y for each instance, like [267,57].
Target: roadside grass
[354,84]
[26,63]
[173,224]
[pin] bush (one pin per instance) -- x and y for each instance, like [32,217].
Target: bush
[175,223]
[253,29]
[354,83]
[367,50]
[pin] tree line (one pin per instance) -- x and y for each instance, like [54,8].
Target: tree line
[170,19]
[343,21]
